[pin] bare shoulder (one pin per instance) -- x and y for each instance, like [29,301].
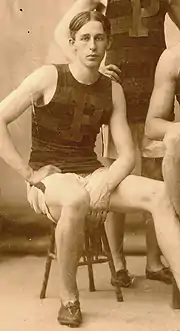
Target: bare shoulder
[41,79]
[169,62]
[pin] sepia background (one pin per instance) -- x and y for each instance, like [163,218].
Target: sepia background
[26,41]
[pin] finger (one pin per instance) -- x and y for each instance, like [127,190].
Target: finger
[113,67]
[33,200]
[55,168]
[115,77]
[112,75]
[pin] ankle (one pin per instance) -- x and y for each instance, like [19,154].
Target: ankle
[120,263]
[154,267]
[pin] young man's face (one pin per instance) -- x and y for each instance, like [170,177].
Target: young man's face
[90,44]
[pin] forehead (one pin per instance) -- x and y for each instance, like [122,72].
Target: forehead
[92,27]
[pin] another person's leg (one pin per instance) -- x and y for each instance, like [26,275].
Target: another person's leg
[171,165]
[142,193]
[155,269]
[115,225]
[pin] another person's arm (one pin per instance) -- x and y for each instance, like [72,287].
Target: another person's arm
[162,99]
[61,36]
[61,33]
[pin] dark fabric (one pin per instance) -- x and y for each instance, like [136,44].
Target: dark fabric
[40,186]
[65,130]
[152,168]
[136,51]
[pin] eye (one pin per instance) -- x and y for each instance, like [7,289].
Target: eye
[85,38]
[99,38]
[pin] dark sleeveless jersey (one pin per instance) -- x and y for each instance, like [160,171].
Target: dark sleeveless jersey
[64,131]
[138,42]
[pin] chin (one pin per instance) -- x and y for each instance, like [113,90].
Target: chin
[92,64]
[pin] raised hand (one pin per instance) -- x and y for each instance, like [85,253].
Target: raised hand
[111,71]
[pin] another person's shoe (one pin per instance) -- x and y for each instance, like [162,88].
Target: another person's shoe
[70,314]
[163,275]
[125,279]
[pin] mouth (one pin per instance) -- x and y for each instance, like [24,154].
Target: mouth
[92,56]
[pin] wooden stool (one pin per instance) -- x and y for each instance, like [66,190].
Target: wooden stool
[96,250]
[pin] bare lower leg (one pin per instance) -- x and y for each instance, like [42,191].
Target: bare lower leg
[143,193]
[69,243]
[168,234]
[153,252]
[171,174]
[115,231]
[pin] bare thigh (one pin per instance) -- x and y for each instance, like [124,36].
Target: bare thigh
[135,193]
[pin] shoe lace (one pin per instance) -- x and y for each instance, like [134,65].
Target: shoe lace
[73,308]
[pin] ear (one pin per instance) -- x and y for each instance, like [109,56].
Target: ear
[72,43]
[109,42]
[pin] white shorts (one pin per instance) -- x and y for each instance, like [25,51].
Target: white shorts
[37,194]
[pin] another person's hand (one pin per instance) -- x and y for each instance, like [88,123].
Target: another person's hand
[38,175]
[111,71]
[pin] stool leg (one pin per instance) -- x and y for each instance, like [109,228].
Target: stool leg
[119,295]
[175,295]
[89,263]
[49,259]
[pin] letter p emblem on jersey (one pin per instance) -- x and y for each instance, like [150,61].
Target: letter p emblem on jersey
[137,29]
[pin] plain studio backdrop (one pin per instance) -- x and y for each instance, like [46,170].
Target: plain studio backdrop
[26,41]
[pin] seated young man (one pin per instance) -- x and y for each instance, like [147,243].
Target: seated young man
[159,124]
[131,52]
[70,103]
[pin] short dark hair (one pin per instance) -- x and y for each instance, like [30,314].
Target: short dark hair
[82,18]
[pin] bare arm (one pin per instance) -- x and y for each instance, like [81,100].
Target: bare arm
[61,34]
[174,11]
[121,136]
[31,90]
[162,99]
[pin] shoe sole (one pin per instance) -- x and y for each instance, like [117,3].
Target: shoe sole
[70,324]
[168,282]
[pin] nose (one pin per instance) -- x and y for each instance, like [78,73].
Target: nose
[92,45]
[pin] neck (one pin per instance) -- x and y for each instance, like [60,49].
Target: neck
[84,74]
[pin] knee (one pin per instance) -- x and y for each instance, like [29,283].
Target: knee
[79,202]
